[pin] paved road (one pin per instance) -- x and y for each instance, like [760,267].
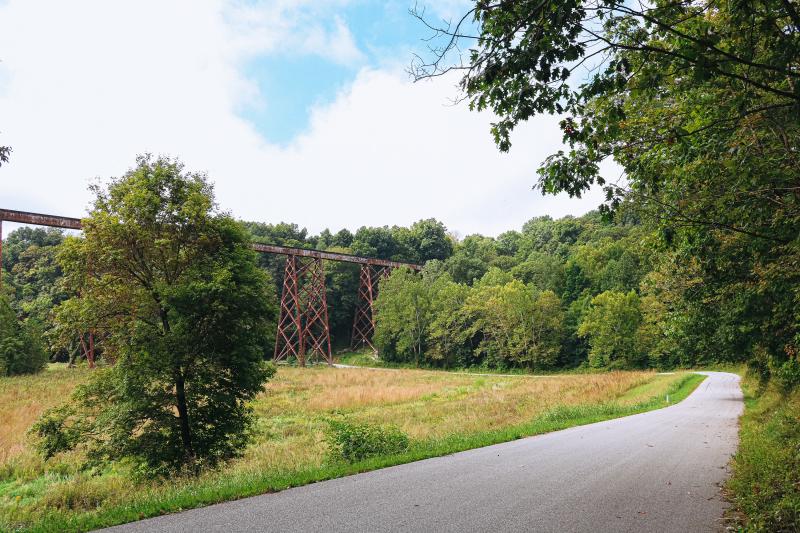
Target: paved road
[657,471]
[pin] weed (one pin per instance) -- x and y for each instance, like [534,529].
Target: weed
[355,442]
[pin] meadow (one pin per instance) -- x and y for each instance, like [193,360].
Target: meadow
[440,412]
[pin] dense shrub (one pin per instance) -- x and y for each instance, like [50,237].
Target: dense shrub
[787,375]
[354,441]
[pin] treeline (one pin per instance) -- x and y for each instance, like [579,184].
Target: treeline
[697,102]
[558,293]
[577,291]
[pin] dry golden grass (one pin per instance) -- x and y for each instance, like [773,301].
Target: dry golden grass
[291,419]
[23,398]
[293,409]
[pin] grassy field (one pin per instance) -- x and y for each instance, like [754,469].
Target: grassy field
[440,412]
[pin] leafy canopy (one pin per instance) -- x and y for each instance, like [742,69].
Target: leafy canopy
[173,288]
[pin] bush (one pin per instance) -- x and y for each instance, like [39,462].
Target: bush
[354,442]
[788,375]
[54,432]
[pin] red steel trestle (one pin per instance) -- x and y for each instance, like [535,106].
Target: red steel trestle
[364,321]
[303,329]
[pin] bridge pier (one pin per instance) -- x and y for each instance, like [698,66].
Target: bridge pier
[303,329]
[364,321]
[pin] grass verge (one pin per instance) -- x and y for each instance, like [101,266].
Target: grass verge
[765,485]
[186,494]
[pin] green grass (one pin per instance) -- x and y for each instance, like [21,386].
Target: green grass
[365,359]
[368,359]
[188,493]
[765,485]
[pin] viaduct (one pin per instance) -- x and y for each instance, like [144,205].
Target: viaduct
[303,329]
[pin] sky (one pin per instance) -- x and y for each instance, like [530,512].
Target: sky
[299,111]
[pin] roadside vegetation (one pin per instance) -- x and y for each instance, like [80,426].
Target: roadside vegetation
[309,424]
[765,486]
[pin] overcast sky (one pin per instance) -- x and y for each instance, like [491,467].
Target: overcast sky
[299,111]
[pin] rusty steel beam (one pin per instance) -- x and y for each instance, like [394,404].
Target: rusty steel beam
[39,219]
[75,223]
[331,256]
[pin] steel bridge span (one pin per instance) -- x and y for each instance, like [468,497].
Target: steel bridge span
[303,329]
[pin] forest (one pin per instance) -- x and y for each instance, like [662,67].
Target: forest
[554,294]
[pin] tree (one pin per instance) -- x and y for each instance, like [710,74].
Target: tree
[611,325]
[426,240]
[525,56]
[519,326]
[34,280]
[402,317]
[616,264]
[21,350]
[174,287]
[575,349]
[575,281]
[545,235]
[449,338]
[342,239]
[377,242]
[545,325]
[472,258]
[544,271]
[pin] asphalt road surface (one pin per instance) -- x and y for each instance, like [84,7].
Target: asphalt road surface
[654,472]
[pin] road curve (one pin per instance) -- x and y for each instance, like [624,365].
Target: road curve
[656,471]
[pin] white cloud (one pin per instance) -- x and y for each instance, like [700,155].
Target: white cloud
[90,85]
[337,45]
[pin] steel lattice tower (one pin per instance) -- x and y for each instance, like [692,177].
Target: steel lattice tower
[303,329]
[364,322]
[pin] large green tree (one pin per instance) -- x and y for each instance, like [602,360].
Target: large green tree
[518,325]
[173,287]
[402,316]
[611,325]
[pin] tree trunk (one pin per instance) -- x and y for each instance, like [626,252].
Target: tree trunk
[180,398]
[183,415]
